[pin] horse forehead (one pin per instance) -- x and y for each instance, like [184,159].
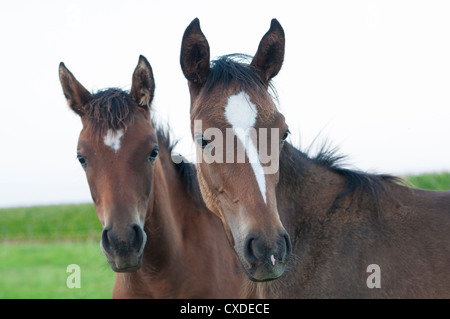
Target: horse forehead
[240,112]
[113,138]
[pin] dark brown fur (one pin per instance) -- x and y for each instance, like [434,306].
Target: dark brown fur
[406,235]
[339,221]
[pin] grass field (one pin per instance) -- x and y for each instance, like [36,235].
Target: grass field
[47,223]
[39,270]
[38,243]
[435,181]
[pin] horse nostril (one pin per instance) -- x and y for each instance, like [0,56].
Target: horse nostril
[106,243]
[138,239]
[257,249]
[248,249]
[288,245]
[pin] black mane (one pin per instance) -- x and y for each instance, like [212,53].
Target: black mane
[357,182]
[186,170]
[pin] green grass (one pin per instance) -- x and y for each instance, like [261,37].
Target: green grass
[49,223]
[38,243]
[432,181]
[39,270]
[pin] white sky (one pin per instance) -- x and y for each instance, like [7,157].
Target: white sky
[372,76]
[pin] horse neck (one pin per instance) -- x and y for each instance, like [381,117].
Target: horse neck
[164,222]
[305,190]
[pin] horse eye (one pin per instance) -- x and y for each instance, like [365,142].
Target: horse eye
[285,136]
[153,154]
[82,160]
[201,141]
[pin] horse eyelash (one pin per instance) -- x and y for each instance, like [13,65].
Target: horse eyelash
[286,135]
[153,154]
[82,160]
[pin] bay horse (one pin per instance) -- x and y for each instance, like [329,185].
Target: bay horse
[157,233]
[310,228]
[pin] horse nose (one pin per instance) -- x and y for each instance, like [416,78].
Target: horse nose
[269,255]
[132,239]
[123,247]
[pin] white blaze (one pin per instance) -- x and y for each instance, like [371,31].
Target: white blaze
[272,259]
[112,139]
[241,113]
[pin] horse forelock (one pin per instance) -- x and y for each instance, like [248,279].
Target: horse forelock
[232,74]
[109,109]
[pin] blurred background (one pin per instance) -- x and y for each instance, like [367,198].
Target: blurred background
[371,77]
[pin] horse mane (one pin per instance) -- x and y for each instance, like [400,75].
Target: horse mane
[112,108]
[356,182]
[186,170]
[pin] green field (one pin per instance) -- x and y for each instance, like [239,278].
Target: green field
[39,270]
[50,223]
[38,243]
[434,181]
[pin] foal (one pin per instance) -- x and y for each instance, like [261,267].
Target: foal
[157,233]
[351,234]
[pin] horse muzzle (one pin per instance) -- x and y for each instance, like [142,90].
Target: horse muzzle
[264,259]
[123,248]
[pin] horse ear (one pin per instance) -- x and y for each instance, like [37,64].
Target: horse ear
[194,57]
[270,55]
[143,83]
[77,96]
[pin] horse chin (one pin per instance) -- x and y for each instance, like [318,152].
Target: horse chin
[263,273]
[264,277]
[130,264]
[129,269]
